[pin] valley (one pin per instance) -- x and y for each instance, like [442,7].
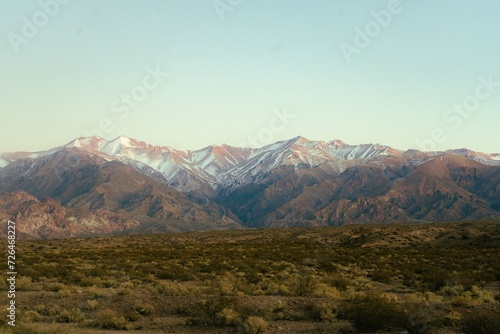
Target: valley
[439,278]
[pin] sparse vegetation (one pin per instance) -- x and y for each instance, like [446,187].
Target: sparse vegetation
[72,315]
[108,319]
[414,278]
[256,325]
[481,322]
[373,312]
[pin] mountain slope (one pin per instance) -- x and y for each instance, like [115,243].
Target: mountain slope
[289,183]
[37,219]
[215,168]
[446,187]
[111,190]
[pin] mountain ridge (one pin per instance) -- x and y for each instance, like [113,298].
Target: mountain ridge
[210,164]
[129,186]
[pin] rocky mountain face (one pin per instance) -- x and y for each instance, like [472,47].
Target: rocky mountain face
[74,193]
[94,186]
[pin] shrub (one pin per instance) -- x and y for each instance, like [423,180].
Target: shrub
[108,319]
[131,316]
[462,301]
[229,317]
[314,311]
[25,284]
[55,287]
[110,283]
[90,281]
[92,305]
[452,319]
[421,316]
[482,295]
[73,315]
[144,309]
[214,312]
[96,292]
[383,276]
[451,290]
[481,322]
[123,292]
[226,284]
[278,306]
[272,288]
[435,279]
[339,282]
[41,308]
[326,313]
[31,316]
[64,293]
[255,325]
[374,312]
[171,288]
[54,310]
[205,312]
[307,284]
[324,290]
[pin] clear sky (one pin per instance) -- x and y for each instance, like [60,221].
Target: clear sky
[418,74]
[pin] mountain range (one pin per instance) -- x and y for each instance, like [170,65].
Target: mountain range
[95,186]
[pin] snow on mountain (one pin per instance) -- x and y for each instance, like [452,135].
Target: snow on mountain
[486,159]
[7,158]
[300,153]
[303,152]
[494,156]
[355,152]
[89,143]
[182,169]
[227,166]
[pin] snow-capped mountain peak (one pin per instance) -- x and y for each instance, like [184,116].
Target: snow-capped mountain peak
[87,143]
[228,166]
[116,145]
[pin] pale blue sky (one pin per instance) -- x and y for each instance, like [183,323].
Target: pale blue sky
[228,77]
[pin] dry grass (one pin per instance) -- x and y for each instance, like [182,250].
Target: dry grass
[420,279]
